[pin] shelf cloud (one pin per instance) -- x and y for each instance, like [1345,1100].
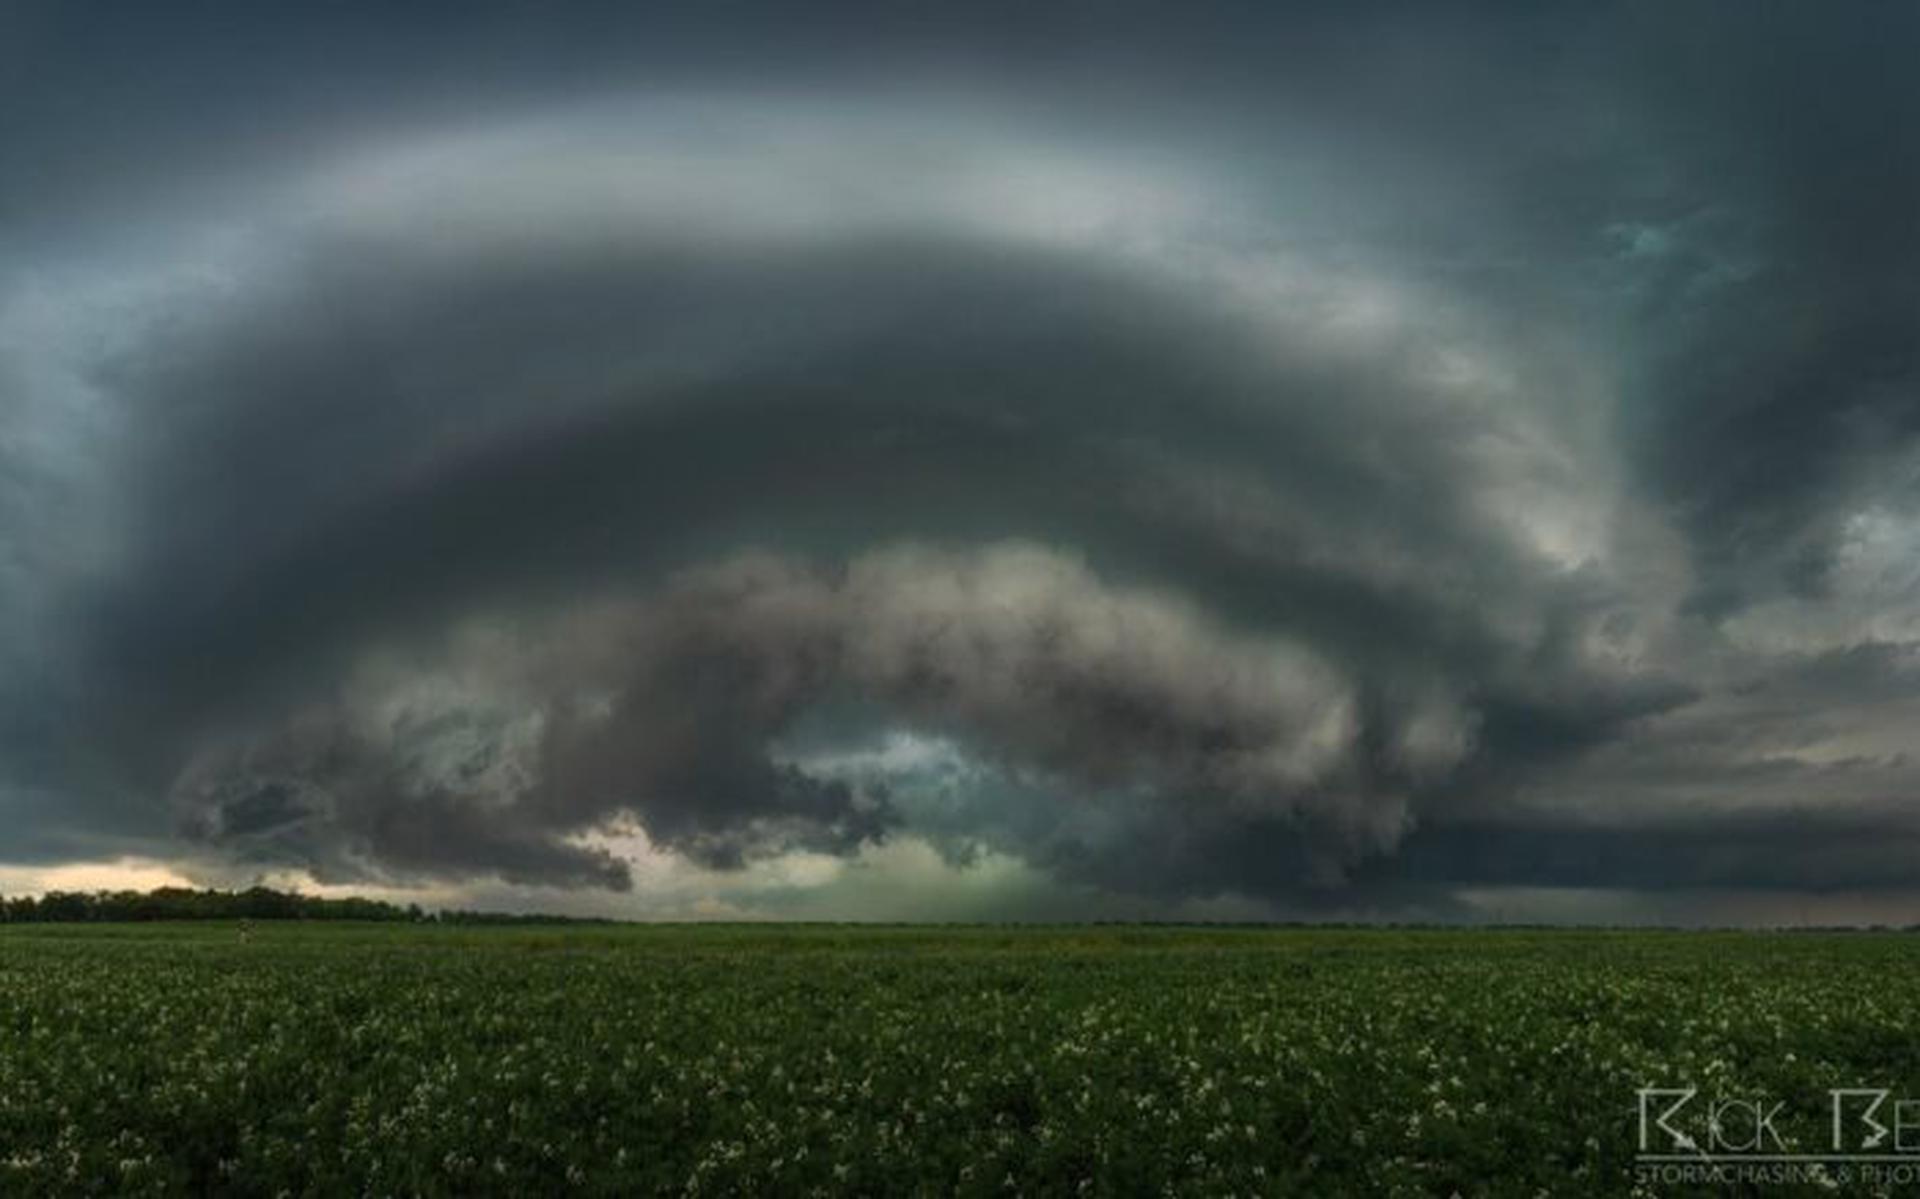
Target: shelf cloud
[1315,462]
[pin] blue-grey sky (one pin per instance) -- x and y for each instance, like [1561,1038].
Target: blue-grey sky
[895,460]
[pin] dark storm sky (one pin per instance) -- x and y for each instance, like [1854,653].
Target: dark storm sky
[954,459]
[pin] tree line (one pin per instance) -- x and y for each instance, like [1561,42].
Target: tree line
[254,903]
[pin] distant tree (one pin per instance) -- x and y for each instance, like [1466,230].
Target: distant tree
[65,906]
[258,903]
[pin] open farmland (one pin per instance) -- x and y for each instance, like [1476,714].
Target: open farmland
[316,1059]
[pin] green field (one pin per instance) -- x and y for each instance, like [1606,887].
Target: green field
[328,1059]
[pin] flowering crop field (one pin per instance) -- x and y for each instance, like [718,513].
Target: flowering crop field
[333,1060]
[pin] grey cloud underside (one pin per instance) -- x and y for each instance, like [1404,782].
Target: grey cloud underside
[1329,459]
[984,409]
[973,398]
[666,710]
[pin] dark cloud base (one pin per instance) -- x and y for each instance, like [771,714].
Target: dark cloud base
[1338,460]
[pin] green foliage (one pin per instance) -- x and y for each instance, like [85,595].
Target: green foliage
[254,903]
[422,1059]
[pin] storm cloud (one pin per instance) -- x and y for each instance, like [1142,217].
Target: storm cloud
[1331,461]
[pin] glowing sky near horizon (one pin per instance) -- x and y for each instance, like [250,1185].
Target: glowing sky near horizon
[1216,461]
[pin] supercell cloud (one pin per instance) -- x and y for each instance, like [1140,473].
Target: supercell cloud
[1134,460]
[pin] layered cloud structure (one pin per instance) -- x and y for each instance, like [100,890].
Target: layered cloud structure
[1218,462]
